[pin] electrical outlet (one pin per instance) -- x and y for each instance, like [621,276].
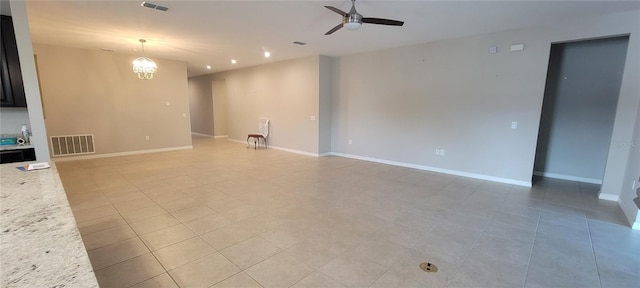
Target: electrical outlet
[441,152]
[146,138]
[350,141]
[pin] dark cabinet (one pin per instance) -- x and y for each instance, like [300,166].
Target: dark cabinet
[11,76]
[17,155]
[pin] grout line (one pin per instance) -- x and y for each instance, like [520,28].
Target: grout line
[533,245]
[593,251]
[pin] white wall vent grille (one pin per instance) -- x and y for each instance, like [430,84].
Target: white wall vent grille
[72,145]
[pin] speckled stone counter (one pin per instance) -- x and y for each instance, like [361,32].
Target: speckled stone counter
[40,245]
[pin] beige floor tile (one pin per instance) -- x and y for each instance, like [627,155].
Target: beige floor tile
[317,252]
[179,204]
[160,281]
[320,280]
[240,280]
[249,252]
[94,213]
[204,272]
[353,272]
[108,236]
[286,236]
[88,201]
[227,236]
[191,213]
[242,212]
[280,270]
[115,253]
[181,253]
[143,213]
[262,223]
[208,223]
[346,205]
[100,224]
[382,252]
[393,278]
[483,270]
[154,223]
[124,196]
[129,272]
[167,236]
[135,204]
[221,204]
[165,195]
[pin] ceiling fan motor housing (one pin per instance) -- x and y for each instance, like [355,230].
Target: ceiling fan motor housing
[352,21]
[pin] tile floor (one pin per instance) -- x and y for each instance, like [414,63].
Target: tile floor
[221,215]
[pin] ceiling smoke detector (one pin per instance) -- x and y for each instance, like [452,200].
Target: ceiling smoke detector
[153,6]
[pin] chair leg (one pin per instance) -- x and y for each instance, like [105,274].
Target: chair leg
[248,145]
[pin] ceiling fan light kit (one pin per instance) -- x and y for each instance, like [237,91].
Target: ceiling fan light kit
[353,20]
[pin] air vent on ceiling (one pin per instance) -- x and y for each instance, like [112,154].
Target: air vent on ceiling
[299,43]
[153,6]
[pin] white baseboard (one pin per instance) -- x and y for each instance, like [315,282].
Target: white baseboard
[609,197]
[567,177]
[221,136]
[200,134]
[107,155]
[280,148]
[439,170]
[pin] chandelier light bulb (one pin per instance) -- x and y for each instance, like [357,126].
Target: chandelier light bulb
[144,67]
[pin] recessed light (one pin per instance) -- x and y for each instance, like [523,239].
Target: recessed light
[267,54]
[209,67]
[233,61]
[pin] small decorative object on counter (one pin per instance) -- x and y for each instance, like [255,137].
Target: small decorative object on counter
[25,133]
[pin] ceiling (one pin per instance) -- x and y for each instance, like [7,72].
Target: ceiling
[203,33]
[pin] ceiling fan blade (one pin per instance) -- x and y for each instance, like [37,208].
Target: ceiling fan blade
[334,29]
[382,21]
[334,9]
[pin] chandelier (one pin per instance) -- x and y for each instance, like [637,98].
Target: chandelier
[143,66]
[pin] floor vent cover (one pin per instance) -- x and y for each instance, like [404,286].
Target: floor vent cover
[72,145]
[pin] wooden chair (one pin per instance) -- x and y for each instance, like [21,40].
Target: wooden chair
[263,133]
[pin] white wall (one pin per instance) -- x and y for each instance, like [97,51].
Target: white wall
[201,105]
[11,119]
[324,114]
[580,101]
[219,91]
[30,79]
[632,174]
[401,104]
[286,92]
[109,101]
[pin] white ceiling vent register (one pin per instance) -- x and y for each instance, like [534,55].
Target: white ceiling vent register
[72,145]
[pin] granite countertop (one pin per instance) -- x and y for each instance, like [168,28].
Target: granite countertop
[40,245]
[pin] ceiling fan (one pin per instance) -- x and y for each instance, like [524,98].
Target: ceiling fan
[353,20]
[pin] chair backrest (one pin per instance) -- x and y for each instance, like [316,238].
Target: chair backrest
[263,126]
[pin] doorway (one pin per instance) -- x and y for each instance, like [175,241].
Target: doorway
[579,108]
